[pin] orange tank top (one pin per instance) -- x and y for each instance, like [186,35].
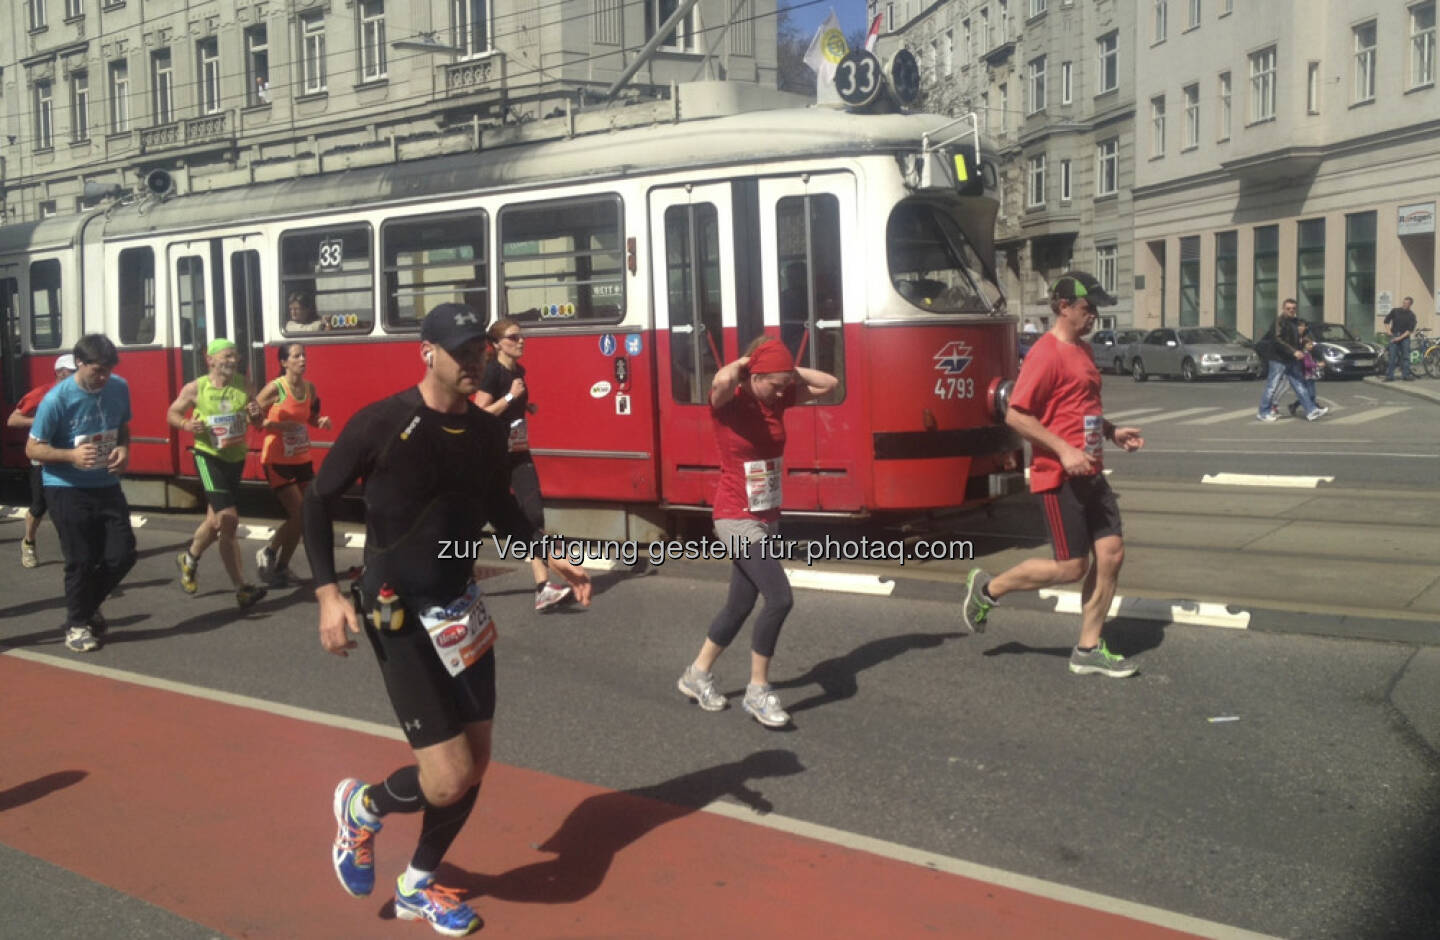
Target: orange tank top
[292,445]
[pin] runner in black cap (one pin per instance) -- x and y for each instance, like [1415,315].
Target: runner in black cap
[435,471]
[1056,407]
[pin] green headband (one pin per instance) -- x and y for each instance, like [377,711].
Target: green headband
[217,346]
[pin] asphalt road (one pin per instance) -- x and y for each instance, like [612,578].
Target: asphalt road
[1312,811]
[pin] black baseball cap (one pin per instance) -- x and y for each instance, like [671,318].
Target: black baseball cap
[1077,285]
[451,326]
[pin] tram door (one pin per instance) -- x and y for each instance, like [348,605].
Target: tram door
[245,308]
[12,362]
[805,223]
[694,272]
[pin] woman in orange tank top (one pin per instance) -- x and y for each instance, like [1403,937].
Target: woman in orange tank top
[292,407]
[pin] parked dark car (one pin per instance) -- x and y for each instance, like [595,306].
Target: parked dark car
[1191,352]
[1339,353]
[1107,348]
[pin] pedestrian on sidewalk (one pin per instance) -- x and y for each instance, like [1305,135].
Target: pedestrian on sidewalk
[1401,321]
[748,400]
[1056,407]
[22,418]
[1281,349]
[81,436]
[435,471]
[291,406]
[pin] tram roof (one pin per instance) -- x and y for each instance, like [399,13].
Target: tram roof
[751,137]
[53,233]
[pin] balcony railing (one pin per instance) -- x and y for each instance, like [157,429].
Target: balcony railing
[217,127]
[474,75]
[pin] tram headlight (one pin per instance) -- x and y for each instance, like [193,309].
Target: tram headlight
[999,397]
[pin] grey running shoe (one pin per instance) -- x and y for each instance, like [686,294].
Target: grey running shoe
[1100,661]
[1268,416]
[265,565]
[1317,414]
[248,595]
[701,687]
[764,705]
[550,595]
[976,607]
[81,640]
[28,558]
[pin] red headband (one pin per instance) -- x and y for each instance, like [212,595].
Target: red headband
[771,356]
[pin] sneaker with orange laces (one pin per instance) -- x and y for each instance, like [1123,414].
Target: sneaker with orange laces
[354,850]
[441,906]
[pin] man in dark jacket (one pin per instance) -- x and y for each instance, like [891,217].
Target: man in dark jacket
[1281,349]
[1401,321]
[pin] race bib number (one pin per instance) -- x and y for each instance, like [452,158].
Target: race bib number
[461,631]
[519,436]
[296,441]
[762,484]
[227,429]
[1094,434]
[104,441]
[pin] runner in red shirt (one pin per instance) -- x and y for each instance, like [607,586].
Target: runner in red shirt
[1056,407]
[748,400]
[22,418]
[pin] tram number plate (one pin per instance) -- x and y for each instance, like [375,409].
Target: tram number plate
[948,388]
[332,253]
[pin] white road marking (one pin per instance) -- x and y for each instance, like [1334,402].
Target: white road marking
[841,581]
[17,512]
[850,840]
[1129,414]
[1260,479]
[261,532]
[1197,613]
[1182,413]
[1372,414]
[138,521]
[354,539]
[1224,416]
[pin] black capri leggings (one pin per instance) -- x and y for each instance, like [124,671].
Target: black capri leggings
[750,578]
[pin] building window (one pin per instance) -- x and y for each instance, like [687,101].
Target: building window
[44,117]
[986,36]
[1162,15]
[37,13]
[1194,14]
[1064,180]
[1065,83]
[949,60]
[1107,167]
[1262,85]
[471,22]
[1312,88]
[119,97]
[162,75]
[1310,269]
[1267,277]
[1109,46]
[1037,7]
[1224,105]
[1035,182]
[312,53]
[1004,90]
[1157,126]
[74,9]
[1364,61]
[1227,278]
[1227,7]
[1192,116]
[1190,281]
[1107,266]
[257,66]
[1035,75]
[682,38]
[1360,272]
[207,54]
[1422,44]
[372,39]
[80,105]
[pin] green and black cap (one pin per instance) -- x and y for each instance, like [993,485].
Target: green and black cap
[1077,285]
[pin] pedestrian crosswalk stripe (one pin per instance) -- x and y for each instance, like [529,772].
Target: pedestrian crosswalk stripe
[1224,416]
[1130,414]
[1373,414]
[1172,415]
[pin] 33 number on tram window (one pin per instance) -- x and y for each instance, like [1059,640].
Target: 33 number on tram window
[954,388]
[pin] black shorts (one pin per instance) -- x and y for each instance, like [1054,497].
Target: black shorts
[281,475]
[525,484]
[37,493]
[432,705]
[221,479]
[1078,513]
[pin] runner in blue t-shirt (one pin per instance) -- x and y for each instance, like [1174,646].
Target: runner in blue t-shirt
[81,436]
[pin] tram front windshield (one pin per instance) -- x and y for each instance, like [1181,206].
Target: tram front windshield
[933,265]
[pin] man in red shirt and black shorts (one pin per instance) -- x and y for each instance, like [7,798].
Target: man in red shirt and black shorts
[1056,407]
[22,418]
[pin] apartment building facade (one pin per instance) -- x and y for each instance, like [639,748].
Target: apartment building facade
[222,93]
[1053,84]
[1287,149]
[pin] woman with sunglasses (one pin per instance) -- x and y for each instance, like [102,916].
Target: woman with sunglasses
[504,394]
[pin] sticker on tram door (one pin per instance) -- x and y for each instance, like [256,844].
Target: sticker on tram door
[622,404]
[951,362]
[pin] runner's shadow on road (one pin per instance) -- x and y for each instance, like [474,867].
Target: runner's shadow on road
[32,790]
[838,677]
[601,826]
[1124,636]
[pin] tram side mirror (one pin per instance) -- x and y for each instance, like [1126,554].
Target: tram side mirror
[159,182]
[969,175]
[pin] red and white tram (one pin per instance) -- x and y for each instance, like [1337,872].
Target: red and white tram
[638,260]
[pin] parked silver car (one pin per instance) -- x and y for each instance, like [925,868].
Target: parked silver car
[1190,352]
[1107,348]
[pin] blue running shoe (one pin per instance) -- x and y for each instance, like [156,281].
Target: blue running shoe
[442,907]
[354,849]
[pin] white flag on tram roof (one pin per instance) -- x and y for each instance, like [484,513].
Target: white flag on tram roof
[825,52]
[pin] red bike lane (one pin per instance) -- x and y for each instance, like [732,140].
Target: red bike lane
[220,813]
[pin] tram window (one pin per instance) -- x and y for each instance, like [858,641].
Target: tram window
[248,312]
[434,260]
[330,269]
[45,332]
[563,262]
[192,312]
[932,263]
[811,303]
[692,273]
[137,296]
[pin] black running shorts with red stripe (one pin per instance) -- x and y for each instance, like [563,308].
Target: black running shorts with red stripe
[1078,513]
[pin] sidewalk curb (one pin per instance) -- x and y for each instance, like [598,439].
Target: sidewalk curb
[1407,388]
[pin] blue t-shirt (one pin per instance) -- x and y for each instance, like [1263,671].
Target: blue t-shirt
[69,416]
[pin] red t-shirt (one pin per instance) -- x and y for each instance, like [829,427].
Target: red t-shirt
[751,437]
[30,403]
[1060,385]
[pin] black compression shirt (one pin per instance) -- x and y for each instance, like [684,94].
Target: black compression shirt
[432,481]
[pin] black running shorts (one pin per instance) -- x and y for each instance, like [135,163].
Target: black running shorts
[1078,513]
[221,479]
[281,475]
